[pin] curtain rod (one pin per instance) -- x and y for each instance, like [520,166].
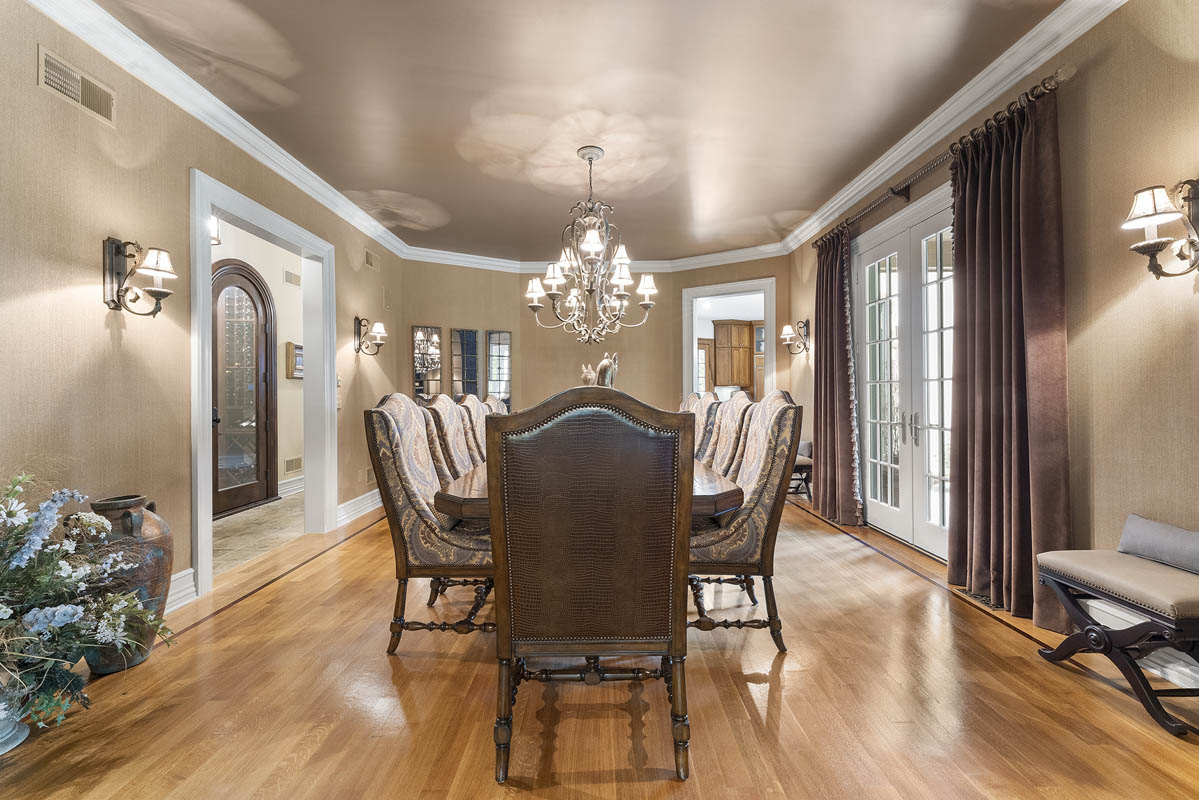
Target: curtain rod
[904,188]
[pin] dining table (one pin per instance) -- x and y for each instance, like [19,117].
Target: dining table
[466,497]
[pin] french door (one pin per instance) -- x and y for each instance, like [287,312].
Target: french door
[903,313]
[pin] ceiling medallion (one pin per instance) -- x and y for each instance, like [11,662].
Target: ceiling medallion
[588,286]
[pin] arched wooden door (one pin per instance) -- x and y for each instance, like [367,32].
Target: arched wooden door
[244,471]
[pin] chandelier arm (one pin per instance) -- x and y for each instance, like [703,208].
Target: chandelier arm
[540,324]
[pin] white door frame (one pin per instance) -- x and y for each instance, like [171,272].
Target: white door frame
[208,197]
[696,293]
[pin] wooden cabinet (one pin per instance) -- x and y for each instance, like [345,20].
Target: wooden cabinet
[734,353]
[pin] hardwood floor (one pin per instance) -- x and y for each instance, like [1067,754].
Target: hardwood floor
[894,687]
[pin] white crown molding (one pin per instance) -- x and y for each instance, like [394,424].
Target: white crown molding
[114,41]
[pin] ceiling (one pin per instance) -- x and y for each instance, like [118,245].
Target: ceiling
[734,306]
[455,123]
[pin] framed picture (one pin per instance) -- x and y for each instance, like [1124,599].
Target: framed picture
[295,360]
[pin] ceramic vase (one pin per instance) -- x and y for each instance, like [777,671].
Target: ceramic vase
[134,519]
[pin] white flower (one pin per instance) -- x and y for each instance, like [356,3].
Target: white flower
[13,513]
[5,613]
[64,569]
[68,545]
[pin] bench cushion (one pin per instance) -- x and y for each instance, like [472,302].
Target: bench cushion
[1168,544]
[1157,587]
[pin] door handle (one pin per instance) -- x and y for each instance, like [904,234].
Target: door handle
[916,428]
[216,419]
[903,427]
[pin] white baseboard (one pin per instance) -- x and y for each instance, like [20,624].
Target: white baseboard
[1165,663]
[290,486]
[182,591]
[352,509]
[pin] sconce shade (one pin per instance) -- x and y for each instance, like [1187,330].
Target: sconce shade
[1151,206]
[591,242]
[378,332]
[553,276]
[156,264]
[647,285]
[622,278]
[622,256]
[535,292]
[788,333]
[214,231]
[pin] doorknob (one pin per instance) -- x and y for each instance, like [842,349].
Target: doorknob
[216,419]
[903,427]
[916,428]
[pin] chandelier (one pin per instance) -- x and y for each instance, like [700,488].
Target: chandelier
[588,286]
[426,356]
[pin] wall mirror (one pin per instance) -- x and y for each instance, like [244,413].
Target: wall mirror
[464,363]
[499,365]
[426,361]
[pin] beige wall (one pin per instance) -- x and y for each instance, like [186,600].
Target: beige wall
[1129,118]
[99,399]
[271,262]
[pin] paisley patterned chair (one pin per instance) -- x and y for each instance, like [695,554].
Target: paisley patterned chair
[738,545]
[705,422]
[476,429]
[729,433]
[689,402]
[496,405]
[426,543]
[458,447]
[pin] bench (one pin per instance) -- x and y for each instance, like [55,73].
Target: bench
[1153,573]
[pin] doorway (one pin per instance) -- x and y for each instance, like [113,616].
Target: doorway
[903,317]
[726,338]
[244,421]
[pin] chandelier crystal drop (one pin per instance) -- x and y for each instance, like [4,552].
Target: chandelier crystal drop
[588,286]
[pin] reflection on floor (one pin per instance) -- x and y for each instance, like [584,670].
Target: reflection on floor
[239,537]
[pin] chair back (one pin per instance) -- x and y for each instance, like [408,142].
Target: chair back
[747,535]
[496,405]
[397,436]
[730,428]
[689,402]
[705,421]
[476,428]
[590,521]
[450,421]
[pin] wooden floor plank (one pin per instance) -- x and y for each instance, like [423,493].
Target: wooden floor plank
[895,686]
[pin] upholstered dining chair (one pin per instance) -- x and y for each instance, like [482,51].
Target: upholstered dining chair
[739,544]
[476,418]
[496,405]
[705,422]
[457,445]
[689,402]
[590,516]
[427,543]
[728,435]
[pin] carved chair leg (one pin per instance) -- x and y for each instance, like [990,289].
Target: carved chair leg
[747,583]
[680,726]
[697,592]
[1072,644]
[772,614]
[435,589]
[397,618]
[503,720]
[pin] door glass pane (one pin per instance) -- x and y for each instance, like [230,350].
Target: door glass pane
[882,381]
[237,394]
[426,361]
[936,382]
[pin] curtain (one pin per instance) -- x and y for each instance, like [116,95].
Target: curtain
[835,491]
[1009,497]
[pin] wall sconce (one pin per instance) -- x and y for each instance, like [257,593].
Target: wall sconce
[214,230]
[123,260]
[368,336]
[804,344]
[1152,207]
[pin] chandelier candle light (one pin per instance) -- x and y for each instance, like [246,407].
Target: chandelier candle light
[588,286]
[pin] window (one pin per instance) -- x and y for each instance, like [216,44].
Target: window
[499,365]
[464,367]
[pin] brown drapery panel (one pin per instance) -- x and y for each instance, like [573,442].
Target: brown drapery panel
[1010,496]
[835,491]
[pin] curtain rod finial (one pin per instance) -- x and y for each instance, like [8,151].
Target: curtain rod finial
[1065,73]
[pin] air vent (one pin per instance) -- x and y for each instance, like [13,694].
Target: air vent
[74,86]
[293,465]
[291,277]
[372,261]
